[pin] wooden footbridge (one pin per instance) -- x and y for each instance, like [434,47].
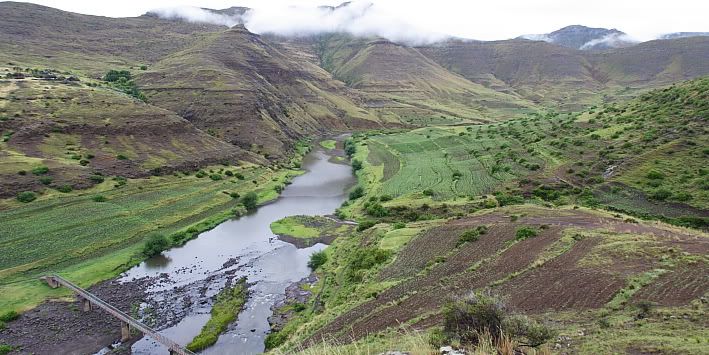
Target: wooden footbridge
[127,322]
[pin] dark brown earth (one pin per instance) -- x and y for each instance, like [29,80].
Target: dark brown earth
[58,327]
[562,282]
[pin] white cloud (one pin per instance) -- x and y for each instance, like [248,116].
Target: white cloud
[478,19]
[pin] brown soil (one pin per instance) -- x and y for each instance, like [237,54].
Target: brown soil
[558,284]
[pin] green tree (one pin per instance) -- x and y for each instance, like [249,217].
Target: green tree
[154,245]
[250,201]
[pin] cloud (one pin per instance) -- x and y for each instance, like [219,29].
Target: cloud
[357,18]
[544,38]
[198,15]
[611,40]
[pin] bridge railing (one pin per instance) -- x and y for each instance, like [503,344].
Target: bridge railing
[173,347]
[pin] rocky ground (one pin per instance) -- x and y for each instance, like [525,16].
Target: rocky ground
[296,293]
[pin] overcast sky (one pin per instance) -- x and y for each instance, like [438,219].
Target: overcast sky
[485,20]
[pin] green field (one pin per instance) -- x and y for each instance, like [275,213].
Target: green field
[92,240]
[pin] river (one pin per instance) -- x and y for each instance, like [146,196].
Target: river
[244,247]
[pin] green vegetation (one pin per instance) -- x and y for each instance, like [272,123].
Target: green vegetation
[154,245]
[250,201]
[27,196]
[317,259]
[227,306]
[472,235]
[329,144]
[65,239]
[525,233]
[121,80]
[309,227]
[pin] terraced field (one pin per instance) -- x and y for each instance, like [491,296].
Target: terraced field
[578,260]
[448,162]
[69,229]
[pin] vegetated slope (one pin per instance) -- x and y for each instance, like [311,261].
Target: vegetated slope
[566,261]
[584,38]
[252,94]
[41,36]
[81,134]
[401,81]
[645,157]
[569,78]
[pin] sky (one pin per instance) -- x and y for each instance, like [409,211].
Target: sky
[483,20]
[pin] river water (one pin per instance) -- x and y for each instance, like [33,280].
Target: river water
[244,247]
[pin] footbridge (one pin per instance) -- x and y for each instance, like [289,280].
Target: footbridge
[90,301]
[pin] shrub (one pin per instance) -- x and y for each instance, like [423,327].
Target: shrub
[525,233]
[399,225]
[364,225]
[239,176]
[154,245]
[9,316]
[84,162]
[96,178]
[26,196]
[234,195]
[40,170]
[356,193]
[661,194]
[121,157]
[654,175]
[46,180]
[466,319]
[215,177]
[385,198]
[428,192]
[115,75]
[365,259]
[356,165]
[317,259]
[471,235]
[250,201]
[200,174]
[376,210]
[5,349]
[65,188]
[99,198]
[229,173]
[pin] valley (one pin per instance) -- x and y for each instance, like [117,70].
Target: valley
[339,193]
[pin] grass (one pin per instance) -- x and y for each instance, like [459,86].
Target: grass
[229,303]
[294,226]
[329,144]
[65,238]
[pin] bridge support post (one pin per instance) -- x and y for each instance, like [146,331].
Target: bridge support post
[125,331]
[50,281]
[86,303]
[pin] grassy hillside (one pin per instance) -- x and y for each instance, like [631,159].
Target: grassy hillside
[525,211]
[569,79]
[80,132]
[400,80]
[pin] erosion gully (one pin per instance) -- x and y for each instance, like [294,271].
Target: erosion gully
[188,277]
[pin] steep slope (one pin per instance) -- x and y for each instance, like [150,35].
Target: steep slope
[79,132]
[45,37]
[251,94]
[568,78]
[399,79]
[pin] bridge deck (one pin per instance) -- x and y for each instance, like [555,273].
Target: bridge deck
[173,347]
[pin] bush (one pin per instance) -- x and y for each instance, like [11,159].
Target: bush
[399,225]
[65,188]
[234,195]
[317,259]
[661,194]
[428,192]
[654,175]
[40,170]
[239,176]
[365,259]
[96,178]
[45,180]
[215,177]
[356,165]
[26,196]
[356,193]
[9,316]
[376,210]
[115,75]
[250,201]
[154,245]
[364,225]
[5,349]
[472,235]
[200,174]
[466,319]
[525,233]
[99,198]
[121,157]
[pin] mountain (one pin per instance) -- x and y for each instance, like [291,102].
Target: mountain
[584,38]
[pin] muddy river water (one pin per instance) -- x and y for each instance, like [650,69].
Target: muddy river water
[243,247]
